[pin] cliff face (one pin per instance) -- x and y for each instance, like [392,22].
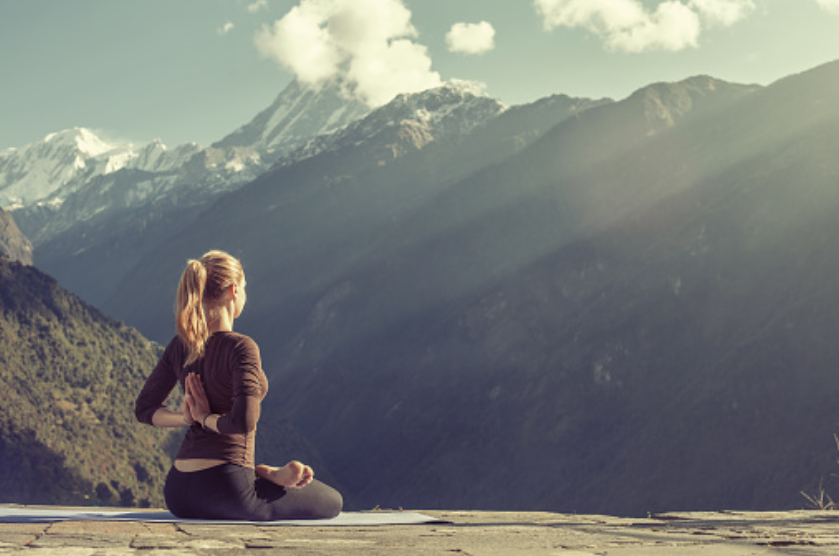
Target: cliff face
[12,242]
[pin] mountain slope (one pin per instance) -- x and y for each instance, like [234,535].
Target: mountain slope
[673,353]
[95,209]
[456,240]
[618,310]
[306,222]
[363,269]
[627,314]
[67,428]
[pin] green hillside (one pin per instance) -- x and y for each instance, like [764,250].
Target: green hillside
[69,376]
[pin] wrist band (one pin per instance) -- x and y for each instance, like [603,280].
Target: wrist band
[204,421]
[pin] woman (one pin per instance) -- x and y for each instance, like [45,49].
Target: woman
[213,476]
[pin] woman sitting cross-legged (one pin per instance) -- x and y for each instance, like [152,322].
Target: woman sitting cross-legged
[213,476]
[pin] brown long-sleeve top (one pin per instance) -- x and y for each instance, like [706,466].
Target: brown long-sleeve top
[231,371]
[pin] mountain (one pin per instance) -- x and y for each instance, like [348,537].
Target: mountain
[574,305]
[92,208]
[35,171]
[628,313]
[69,377]
[46,172]
[93,220]
[13,243]
[299,114]
[323,209]
[448,113]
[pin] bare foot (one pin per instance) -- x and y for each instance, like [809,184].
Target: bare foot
[293,475]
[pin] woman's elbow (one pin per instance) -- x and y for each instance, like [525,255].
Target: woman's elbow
[139,412]
[236,426]
[143,413]
[249,426]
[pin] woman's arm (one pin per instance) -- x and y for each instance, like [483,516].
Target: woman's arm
[164,417]
[149,406]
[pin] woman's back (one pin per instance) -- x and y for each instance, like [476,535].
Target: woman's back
[235,384]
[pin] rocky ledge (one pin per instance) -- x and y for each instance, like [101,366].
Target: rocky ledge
[476,533]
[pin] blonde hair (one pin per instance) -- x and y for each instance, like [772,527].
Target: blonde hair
[200,291]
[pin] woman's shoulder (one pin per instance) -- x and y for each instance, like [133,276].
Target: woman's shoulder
[236,341]
[175,345]
[239,349]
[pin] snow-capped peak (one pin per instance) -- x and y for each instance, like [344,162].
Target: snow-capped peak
[448,113]
[82,139]
[298,114]
[33,173]
[36,170]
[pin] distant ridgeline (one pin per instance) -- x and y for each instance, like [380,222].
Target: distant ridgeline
[68,376]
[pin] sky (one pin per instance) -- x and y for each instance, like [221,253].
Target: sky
[195,70]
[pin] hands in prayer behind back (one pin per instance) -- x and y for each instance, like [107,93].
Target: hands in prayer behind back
[196,406]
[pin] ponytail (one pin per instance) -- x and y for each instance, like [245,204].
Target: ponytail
[202,282]
[189,310]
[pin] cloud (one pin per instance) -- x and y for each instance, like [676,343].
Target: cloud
[226,28]
[723,12]
[256,6]
[471,38]
[628,26]
[367,43]
[831,6]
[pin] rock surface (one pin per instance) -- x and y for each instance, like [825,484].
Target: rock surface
[724,533]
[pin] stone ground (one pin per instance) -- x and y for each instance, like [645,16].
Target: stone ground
[469,533]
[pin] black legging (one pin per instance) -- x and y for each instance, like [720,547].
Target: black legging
[233,492]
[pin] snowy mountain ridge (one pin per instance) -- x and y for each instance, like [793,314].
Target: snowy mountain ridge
[128,177]
[446,113]
[298,114]
[45,172]
[90,207]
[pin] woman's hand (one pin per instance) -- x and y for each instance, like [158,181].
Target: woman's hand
[187,414]
[196,404]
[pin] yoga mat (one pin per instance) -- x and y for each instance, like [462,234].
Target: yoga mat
[347,519]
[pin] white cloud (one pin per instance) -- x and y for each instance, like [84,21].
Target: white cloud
[671,27]
[256,6]
[368,43]
[226,28]
[627,25]
[471,38]
[831,6]
[723,12]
